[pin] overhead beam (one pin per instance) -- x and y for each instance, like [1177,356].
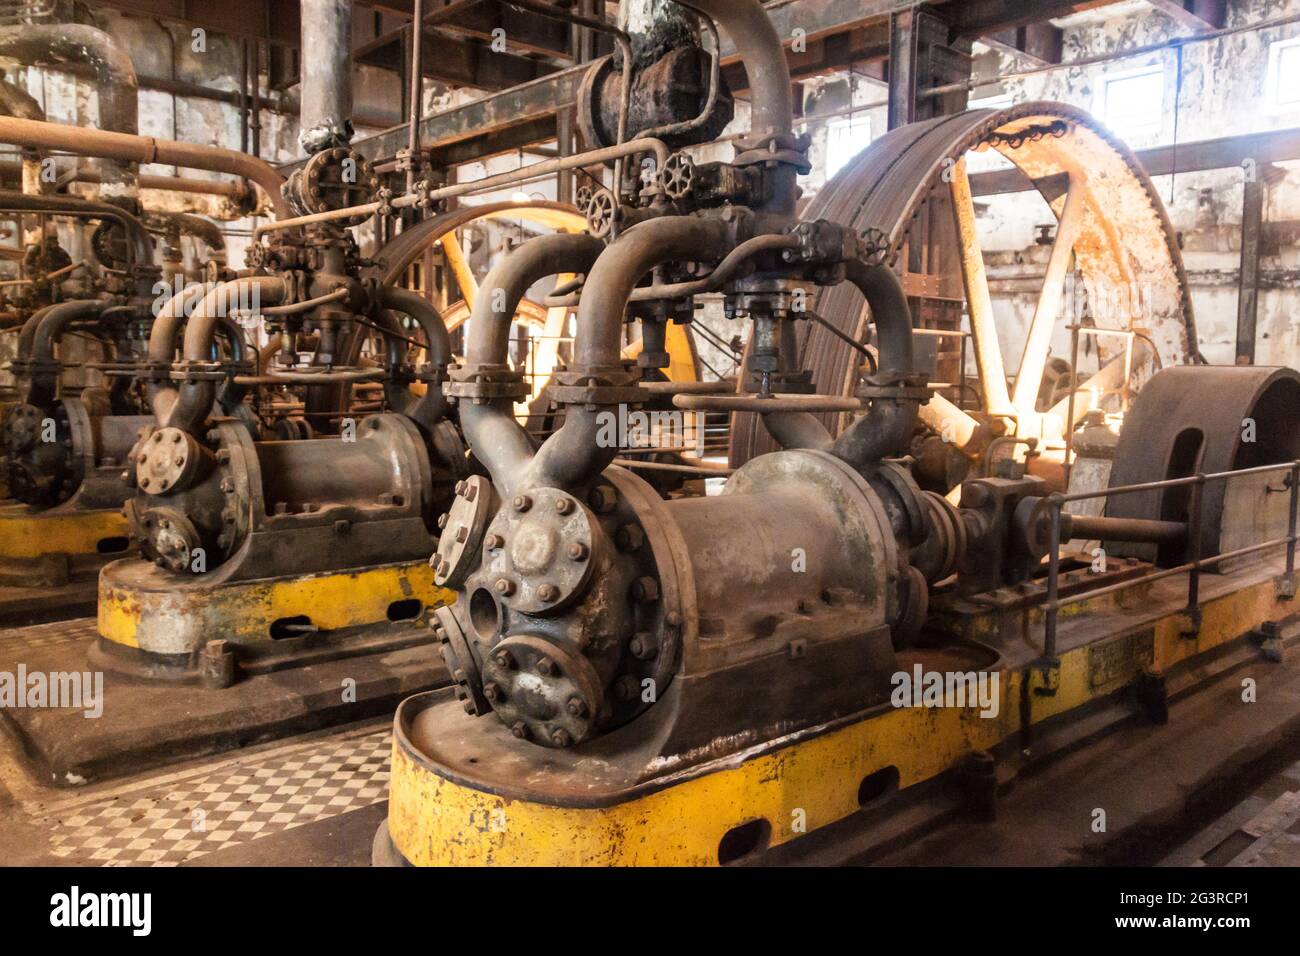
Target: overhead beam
[1259,149]
[1039,43]
[457,62]
[1200,16]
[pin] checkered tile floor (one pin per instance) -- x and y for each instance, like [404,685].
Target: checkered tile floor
[171,824]
[84,629]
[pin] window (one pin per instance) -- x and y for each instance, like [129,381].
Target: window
[845,139]
[1282,87]
[1132,104]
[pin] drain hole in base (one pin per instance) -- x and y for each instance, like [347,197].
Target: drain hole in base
[744,840]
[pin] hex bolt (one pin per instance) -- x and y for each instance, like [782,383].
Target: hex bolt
[645,589]
[469,707]
[546,667]
[462,534]
[522,502]
[282,507]
[494,542]
[602,499]
[442,521]
[548,592]
[563,506]
[578,551]
[519,729]
[643,645]
[576,706]
[460,488]
[630,537]
[178,460]
[505,586]
[561,737]
[492,692]
[505,659]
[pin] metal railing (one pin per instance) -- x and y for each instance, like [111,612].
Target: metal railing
[1192,567]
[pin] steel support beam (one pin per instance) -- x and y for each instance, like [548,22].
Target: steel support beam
[1200,16]
[1252,224]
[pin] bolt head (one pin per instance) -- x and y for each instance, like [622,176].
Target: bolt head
[494,542]
[578,551]
[564,506]
[492,692]
[561,737]
[576,706]
[505,586]
[504,659]
[546,667]
[442,521]
[522,502]
[519,729]
[548,592]
[645,589]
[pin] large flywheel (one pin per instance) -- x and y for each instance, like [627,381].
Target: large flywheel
[909,194]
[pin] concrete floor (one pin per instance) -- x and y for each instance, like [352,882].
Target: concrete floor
[1219,785]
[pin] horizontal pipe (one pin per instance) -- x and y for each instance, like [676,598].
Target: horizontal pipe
[145,149]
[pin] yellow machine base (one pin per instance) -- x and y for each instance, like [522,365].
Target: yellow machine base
[142,607]
[27,535]
[465,815]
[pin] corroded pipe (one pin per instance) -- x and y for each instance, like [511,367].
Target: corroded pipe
[884,430]
[145,149]
[194,402]
[326,75]
[431,407]
[490,428]
[42,386]
[116,85]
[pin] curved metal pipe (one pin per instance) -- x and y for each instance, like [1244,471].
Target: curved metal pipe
[145,149]
[194,403]
[622,265]
[162,343]
[43,385]
[884,430]
[760,49]
[115,79]
[205,230]
[431,407]
[570,457]
[490,428]
[136,231]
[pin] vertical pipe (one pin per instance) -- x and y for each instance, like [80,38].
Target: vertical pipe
[417,93]
[326,75]
[1194,543]
[1055,502]
[1291,520]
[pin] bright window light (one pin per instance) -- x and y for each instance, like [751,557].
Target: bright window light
[1283,84]
[845,138]
[1133,103]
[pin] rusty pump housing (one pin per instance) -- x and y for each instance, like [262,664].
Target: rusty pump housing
[224,520]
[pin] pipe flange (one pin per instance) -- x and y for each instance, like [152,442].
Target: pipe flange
[481,383]
[541,691]
[168,461]
[170,538]
[456,654]
[462,531]
[539,551]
